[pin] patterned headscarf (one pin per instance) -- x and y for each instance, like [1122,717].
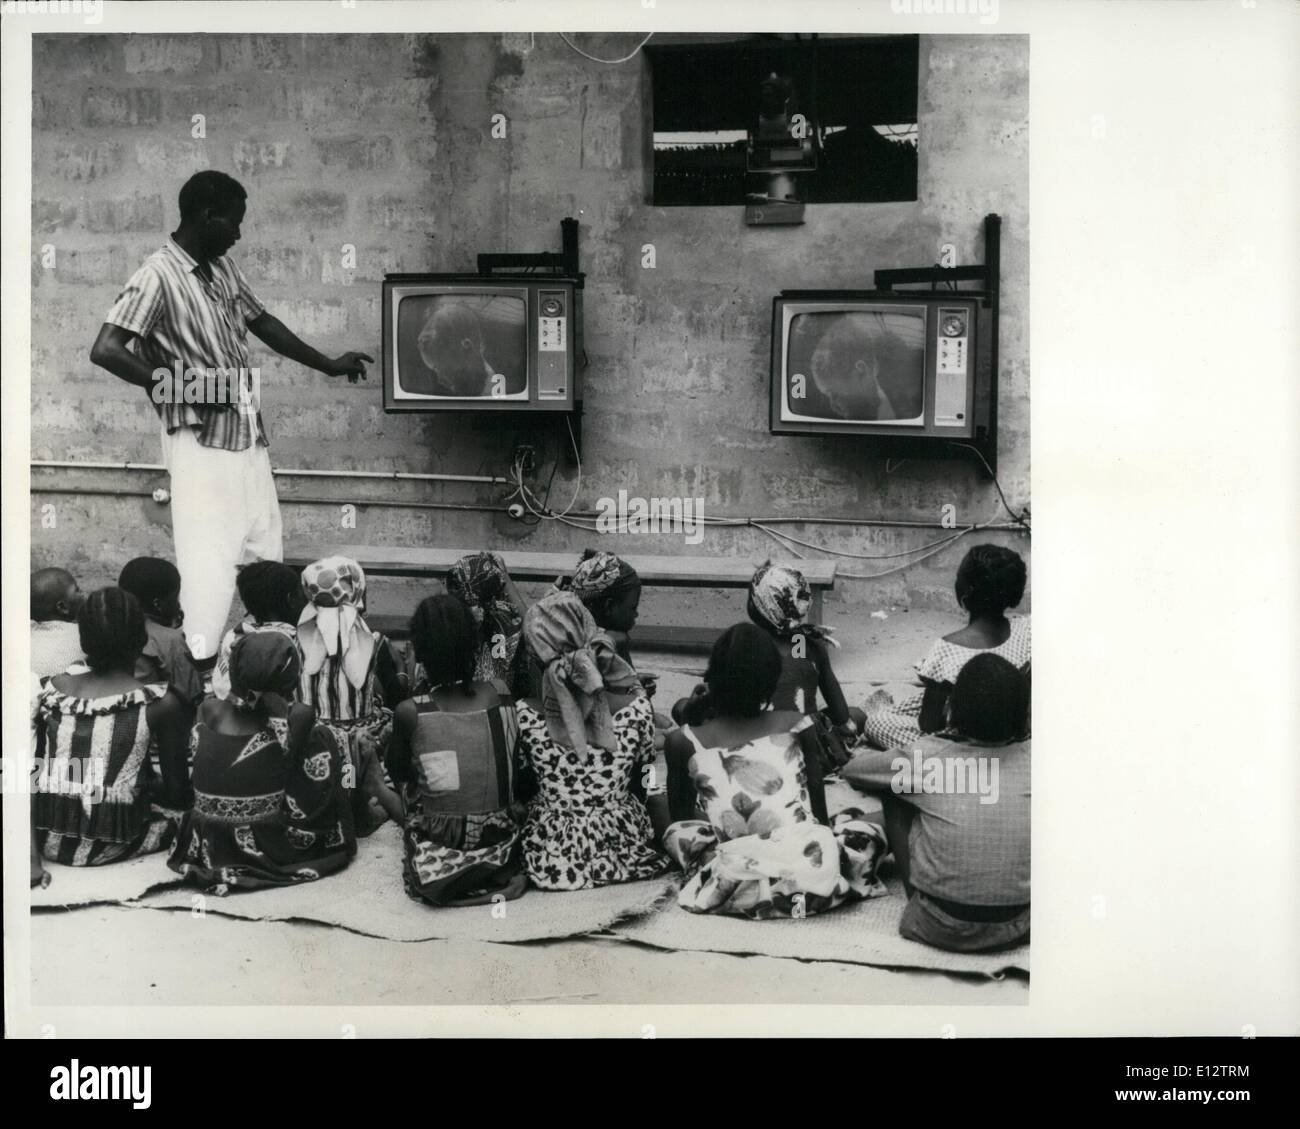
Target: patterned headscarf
[331,625]
[601,574]
[479,579]
[781,597]
[262,663]
[561,633]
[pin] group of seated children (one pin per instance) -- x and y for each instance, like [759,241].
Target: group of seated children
[515,745]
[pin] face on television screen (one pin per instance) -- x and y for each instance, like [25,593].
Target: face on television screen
[461,346]
[856,366]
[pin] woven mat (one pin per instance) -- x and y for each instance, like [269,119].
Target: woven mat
[861,933]
[73,886]
[368,898]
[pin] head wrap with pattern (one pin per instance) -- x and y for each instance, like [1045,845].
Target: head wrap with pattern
[601,574]
[331,625]
[781,598]
[560,632]
[265,662]
[479,579]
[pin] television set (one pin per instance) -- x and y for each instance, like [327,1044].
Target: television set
[912,371]
[495,342]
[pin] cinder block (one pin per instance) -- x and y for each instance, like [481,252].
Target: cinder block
[104,106]
[53,215]
[162,54]
[79,160]
[355,153]
[83,265]
[311,210]
[124,213]
[61,57]
[312,320]
[171,160]
[252,157]
[256,54]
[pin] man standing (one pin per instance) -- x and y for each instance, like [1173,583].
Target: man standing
[188,311]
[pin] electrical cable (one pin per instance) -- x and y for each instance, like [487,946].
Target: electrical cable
[607,62]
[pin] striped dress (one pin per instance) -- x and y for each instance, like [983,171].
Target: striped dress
[462,833]
[94,781]
[359,721]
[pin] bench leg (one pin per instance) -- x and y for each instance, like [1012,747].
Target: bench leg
[815,609]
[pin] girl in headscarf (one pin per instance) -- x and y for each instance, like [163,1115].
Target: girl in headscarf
[779,599]
[585,827]
[349,676]
[452,754]
[481,582]
[611,590]
[272,787]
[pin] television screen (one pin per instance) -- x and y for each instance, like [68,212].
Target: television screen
[462,346]
[856,366]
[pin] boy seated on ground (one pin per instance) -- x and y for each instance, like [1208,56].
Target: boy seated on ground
[957,813]
[166,656]
[56,600]
[273,597]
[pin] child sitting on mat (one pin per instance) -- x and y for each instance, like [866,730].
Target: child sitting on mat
[273,597]
[452,753]
[990,580]
[779,599]
[349,674]
[745,793]
[957,813]
[166,656]
[580,753]
[272,799]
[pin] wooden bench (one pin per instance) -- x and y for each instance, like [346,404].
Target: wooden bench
[658,571]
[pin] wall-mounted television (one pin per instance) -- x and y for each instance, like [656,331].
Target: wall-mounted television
[910,370]
[495,342]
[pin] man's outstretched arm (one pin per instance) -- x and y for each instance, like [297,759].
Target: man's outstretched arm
[278,336]
[110,352]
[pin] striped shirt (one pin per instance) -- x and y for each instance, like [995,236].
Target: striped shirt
[183,322]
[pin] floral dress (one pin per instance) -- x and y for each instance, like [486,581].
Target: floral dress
[891,724]
[759,852]
[260,818]
[94,782]
[585,828]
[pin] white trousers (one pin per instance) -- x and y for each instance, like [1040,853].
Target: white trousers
[224,514]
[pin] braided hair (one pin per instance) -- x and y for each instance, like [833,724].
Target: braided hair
[990,579]
[111,629]
[445,639]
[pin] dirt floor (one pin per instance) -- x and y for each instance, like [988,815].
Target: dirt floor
[105,955]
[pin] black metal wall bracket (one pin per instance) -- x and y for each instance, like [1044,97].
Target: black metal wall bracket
[565,264]
[989,276]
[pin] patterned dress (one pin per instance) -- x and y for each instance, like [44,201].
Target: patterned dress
[262,819]
[759,852]
[94,783]
[585,828]
[892,725]
[461,836]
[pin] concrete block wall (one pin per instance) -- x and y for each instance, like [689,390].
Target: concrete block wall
[384,143]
